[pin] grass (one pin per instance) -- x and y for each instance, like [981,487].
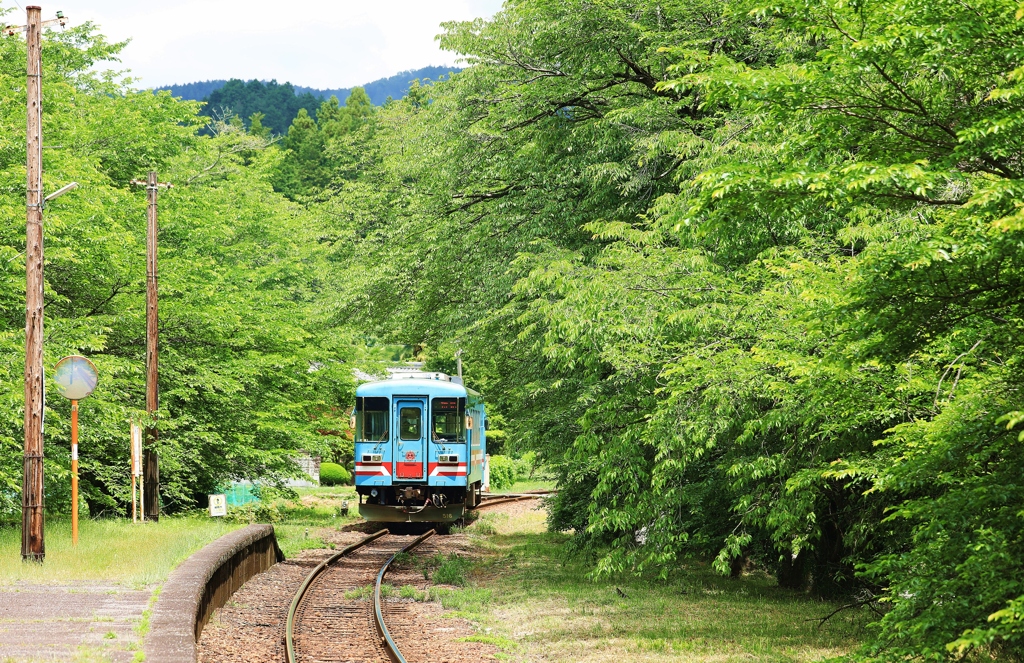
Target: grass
[451,570]
[361,593]
[86,654]
[365,593]
[142,628]
[112,550]
[539,482]
[534,603]
[302,522]
[293,538]
[410,592]
[448,569]
[485,526]
[109,550]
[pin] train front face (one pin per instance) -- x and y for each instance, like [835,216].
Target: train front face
[419,447]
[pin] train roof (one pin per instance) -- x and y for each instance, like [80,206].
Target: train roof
[414,387]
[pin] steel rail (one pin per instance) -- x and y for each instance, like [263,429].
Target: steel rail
[378,616]
[289,633]
[502,500]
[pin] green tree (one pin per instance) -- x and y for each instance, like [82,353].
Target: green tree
[247,367]
[256,127]
[748,277]
[321,152]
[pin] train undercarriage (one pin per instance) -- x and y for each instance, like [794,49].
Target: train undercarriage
[416,504]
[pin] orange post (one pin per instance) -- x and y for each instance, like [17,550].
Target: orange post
[74,473]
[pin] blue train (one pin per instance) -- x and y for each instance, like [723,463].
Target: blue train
[420,448]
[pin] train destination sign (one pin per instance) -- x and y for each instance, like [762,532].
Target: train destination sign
[74,377]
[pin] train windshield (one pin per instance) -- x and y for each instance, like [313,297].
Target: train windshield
[447,425]
[446,422]
[372,419]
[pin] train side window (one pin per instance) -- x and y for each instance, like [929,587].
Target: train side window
[371,417]
[409,423]
[375,426]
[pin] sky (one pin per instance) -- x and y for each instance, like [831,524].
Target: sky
[316,43]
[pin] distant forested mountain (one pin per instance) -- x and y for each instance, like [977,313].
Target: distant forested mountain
[280,102]
[379,90]
[194,91]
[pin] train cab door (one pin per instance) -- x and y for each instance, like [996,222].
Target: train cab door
[411,443]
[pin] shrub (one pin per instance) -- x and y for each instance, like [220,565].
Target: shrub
[332,474]
[254,512]
[505,471]
[529,464]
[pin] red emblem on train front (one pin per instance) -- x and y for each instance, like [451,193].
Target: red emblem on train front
[410,456]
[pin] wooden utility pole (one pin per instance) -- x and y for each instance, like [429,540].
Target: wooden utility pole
[150,478]
[32,545]
[151,465]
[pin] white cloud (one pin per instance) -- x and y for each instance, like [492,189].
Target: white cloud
[317,43]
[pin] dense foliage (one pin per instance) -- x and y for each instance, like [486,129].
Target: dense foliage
[505,471]
[321,148]
[248,375]
[278,104]
[749,276]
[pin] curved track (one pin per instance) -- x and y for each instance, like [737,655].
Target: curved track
[323,626]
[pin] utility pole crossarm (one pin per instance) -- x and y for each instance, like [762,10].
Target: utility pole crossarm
[159,185]
[11,30]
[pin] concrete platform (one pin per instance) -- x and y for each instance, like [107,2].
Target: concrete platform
[95,622]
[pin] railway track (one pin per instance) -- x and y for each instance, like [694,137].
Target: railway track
[322,625]
[493,500]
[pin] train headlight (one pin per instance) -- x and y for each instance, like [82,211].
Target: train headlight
[373,492]
[449,459]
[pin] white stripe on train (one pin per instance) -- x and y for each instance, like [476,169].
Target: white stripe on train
[372,470]
[449,471]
